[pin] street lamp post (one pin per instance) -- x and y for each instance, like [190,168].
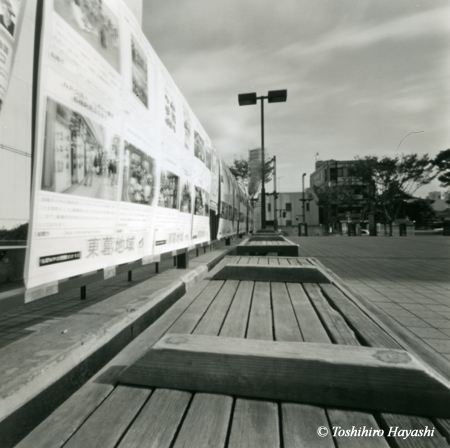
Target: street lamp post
[303,196]
[247,99]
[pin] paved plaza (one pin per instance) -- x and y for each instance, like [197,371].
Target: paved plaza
[408,277]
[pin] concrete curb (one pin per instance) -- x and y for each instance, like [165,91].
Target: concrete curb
[40,372]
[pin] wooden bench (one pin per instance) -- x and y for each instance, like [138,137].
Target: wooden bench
[130,416]
[263,245]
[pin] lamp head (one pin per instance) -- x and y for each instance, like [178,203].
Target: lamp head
[247,99]
[277,96]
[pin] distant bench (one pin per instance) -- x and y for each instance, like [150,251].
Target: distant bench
[269,243]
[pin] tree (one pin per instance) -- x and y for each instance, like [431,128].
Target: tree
[442,163]
[391,181]
[420,211]
[331,198]
[241,171]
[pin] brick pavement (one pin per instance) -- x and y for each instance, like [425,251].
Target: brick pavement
[409,278]
[24,320]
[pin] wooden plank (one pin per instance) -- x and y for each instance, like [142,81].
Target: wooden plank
[273,262]
[206,423]
[444,427]
[260,321]
[283,261]
[255,424]
[352,420]
[158,422]
[243,260]
[284,320]
[336,375]
[367,329]
[271,273]
[310,325]
[235,324]
[106,426]
[189,319]
[337,327]
[213,319]
[300,423]
[60,426]
[395,423]
[253,261]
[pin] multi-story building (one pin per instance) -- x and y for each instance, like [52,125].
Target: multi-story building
[347,199]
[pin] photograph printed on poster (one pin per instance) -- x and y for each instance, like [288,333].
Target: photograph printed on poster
[80,156]
[171,117]
[96,24]
[199,147]
[208,157]
[8,15]
[187,130]
[168,191]
[186,197]
[201,202]
[139,176]
[139,72]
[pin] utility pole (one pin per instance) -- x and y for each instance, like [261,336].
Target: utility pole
[275,220]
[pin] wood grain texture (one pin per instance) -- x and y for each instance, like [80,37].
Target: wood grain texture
[206,423]
[260,320]
[337,327]
[336,375]
[311,328]
[235,324]
[212,320]
[189,319]
[367,329]
[157,423]
[403,422]
[255,424]
[300,423]
[105,427]
[348,420]
[284,320]
[60,426]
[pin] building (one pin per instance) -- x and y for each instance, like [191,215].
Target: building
[345,196]
[289,212]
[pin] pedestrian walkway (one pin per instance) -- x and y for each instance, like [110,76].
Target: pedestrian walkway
[408,278]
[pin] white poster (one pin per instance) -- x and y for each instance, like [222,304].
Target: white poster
[11,14]
[96,163]
[226,203]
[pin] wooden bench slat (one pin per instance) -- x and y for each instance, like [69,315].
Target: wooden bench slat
[212,320]
[283,261]
[255,424]
[409,422]
[189,319]
[300,423]
[260,321]
[310,325]
[285,323]
[107,424]
[253,261]
[367,329]
[273,262]
[349,419]
[206,423]
[336,325]
[60,426]
[236,321]
[158,422]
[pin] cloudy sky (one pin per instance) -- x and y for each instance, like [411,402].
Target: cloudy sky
[361,75]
